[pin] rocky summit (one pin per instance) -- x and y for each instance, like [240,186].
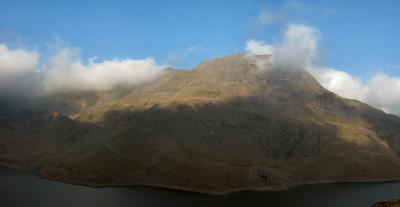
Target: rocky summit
[224,126]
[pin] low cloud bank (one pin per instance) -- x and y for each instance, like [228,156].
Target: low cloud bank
[22,73]
[298,49]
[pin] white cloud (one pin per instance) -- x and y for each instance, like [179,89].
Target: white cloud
[384,93]
[15,64]
[380,91]
[298,49]
[64,71]
[257,47]
[340,82]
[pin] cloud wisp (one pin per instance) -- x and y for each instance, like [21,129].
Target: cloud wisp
[285,12]
[22,73]
[298,49]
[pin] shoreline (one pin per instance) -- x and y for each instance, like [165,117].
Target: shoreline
[199,191]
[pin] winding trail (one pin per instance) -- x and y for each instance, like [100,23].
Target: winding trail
[133,158]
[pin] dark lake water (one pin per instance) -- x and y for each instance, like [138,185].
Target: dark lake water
[19,188]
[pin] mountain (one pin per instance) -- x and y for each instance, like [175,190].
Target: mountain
[224,126]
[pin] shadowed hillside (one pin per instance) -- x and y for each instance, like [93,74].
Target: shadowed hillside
[222,127]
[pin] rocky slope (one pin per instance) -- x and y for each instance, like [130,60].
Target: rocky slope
[388,203]
[221,127]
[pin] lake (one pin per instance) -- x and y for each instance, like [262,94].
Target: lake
[20,188]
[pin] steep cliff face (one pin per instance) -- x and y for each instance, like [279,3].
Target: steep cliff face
[223,126]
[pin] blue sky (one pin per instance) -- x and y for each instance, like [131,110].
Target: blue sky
[360,37]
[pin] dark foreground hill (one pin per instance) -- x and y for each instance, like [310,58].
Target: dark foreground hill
[222,127]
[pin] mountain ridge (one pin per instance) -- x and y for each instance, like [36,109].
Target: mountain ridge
[225,123]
